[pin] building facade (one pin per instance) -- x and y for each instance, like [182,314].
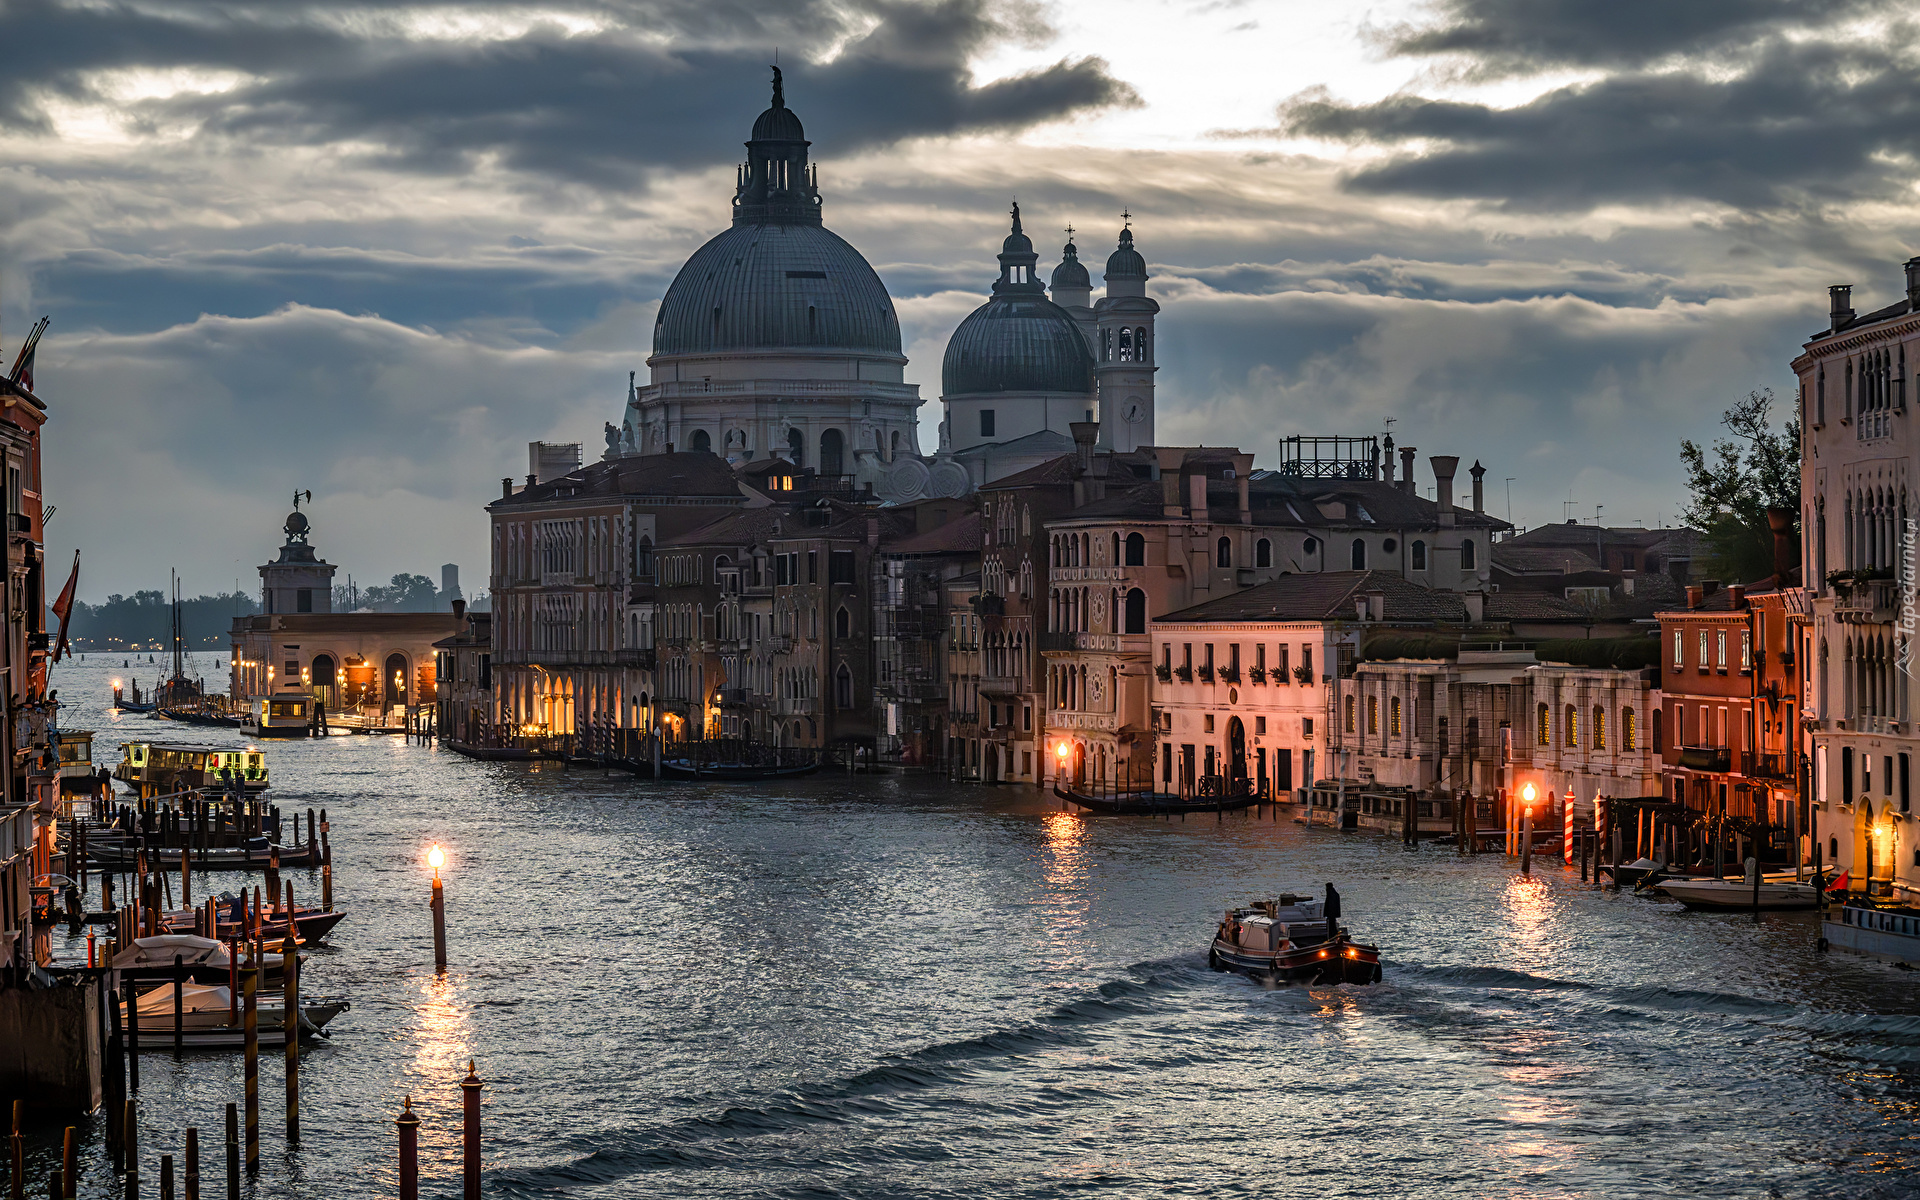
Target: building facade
[1856,484]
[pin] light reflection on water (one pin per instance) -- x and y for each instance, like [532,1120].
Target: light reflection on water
[875,986]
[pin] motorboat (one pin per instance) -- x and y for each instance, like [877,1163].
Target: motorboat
[161,768]
[1630,874]
[210,1018]
[1774,895]
[1292,938]
[203,959]
[1890,932]
[288,713]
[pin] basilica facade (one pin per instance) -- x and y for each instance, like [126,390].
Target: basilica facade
[778,341]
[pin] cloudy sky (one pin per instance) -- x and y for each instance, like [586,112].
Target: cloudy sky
[373,249]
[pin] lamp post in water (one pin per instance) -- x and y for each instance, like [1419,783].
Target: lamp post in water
[1526,830]
[437,858]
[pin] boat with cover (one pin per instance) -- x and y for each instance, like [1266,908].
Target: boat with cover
[287,713]
[210,1020]
[163,768]
[310,924]
[1295,938]
[1775,895]
[203,959]
[1885,931]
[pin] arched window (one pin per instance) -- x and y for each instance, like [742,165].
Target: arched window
[893,450]
[1658,745]
[1544,733]
[842,623]
[1467,562]
[1126,344]
[1136,611]
[1310,547]
[1373,714]
[832,460]
[1393,717]
[1599,728]
[1140,344]
[701,443]
[1115,560]
[1629,730]
[797,447]
[1263,553]
[1106,345]
[843,687]
[643,557]
[1419,555]
[1136,550]
[1359,554]
[1223,553]
[1573,726]
[1349,714]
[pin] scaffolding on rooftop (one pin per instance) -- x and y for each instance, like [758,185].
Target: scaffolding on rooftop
[1330,457]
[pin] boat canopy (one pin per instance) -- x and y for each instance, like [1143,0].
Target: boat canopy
[195,997]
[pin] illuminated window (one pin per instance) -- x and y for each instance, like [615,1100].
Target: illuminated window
[1599,728]
[1573,726]
[1373,714]
[1349,714]
[1544,732]
[1393,717]
[1629,730]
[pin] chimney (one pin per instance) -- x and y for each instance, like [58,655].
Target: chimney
[1197,493]
[506,488]
[1913,285]
[1444,465]
[1387,461]
[1169,461]
[1479,495]
[1376,606]
[1737,596]
[1085,433]
[1476,606]
[1694,595]
[532,479]
[1786,553]
[1839,305]
[1242,475]
[1406,470]
[459,609]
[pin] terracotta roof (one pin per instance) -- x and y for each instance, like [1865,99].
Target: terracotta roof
[1329,595]
[687,473]
[748,527]
[1053,471]
[1287,501]
[1511,555]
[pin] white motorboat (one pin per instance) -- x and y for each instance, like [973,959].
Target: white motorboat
[208,1019]
[1738,895]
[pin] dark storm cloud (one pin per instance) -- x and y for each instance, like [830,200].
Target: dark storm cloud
[1522,35]
[605,106]
[1802,122]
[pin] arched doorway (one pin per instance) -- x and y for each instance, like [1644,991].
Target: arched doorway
[1079,764]
[394,676]
[1236,749]
[700,442]
[832,458]
[325,679]
[797,447]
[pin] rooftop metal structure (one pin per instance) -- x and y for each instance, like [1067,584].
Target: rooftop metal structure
[1330,457]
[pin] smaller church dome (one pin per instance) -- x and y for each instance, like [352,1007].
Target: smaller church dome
[1071,273]
[1126,262]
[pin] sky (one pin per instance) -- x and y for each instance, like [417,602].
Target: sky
[373,249]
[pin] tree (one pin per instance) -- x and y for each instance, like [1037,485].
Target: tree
[1736,481]
[405,593]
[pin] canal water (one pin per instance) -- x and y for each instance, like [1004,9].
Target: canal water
[883,986]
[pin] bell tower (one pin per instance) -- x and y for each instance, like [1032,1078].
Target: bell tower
[298,581]
[1124,349]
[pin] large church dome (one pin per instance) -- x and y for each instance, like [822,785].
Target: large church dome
[1019,341]
[778,279]
[776,286]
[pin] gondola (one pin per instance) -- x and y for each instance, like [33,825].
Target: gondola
[314,924]
[130,706]
[1292,939]
[683,769]
[1154,803]
[255,855]
[188,717]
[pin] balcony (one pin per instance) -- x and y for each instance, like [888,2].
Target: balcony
[1768,766]
[1868,602]
[643,657]
[794,706]
[1707,758]
[1060,718]
[734,697]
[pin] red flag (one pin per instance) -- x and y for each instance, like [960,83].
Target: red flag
[1839,884]
[63,607]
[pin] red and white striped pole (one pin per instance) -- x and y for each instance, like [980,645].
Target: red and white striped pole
[1566,827]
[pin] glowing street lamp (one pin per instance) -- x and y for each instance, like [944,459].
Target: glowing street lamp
[1526,830]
